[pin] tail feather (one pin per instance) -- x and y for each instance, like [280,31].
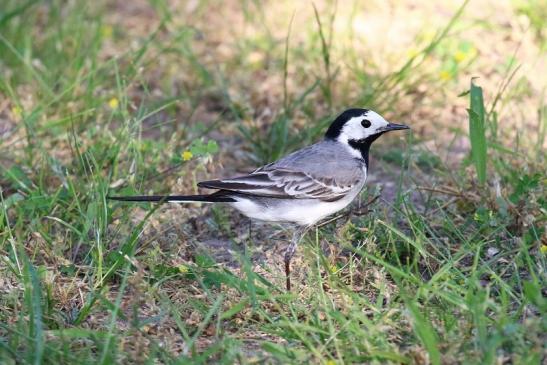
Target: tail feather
[211,198]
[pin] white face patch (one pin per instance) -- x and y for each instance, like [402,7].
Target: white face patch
[354,128]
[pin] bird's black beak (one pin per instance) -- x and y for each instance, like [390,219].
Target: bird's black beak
[393,127]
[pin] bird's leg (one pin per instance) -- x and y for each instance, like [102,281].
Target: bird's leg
[289,253]
[288,256]
[250,229]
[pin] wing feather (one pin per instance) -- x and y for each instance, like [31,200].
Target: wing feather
[284,183]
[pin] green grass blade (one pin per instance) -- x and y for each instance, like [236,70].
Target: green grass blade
[425,333]
[477,133]
[33,295]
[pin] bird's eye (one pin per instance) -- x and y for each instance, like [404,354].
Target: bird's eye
[365,123]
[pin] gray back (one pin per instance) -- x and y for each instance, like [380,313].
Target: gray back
[324,159]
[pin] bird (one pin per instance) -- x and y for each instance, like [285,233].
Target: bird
[305,186]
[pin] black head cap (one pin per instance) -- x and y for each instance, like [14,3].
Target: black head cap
[336,127]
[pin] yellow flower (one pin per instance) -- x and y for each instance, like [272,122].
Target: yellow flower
[445,75]
[113,103]
[429,35]
[543,249]
[106,31]
[187,155]
[460,56]
[412,52]
[183,268]
[330,362]
[17,112]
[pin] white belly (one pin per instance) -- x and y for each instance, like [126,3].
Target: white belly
[301,211]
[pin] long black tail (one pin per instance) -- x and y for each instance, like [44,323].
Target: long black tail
[218,197]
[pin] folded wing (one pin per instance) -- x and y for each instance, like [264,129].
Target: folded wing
[284,183]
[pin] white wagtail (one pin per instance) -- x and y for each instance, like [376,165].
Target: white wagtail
[304,186]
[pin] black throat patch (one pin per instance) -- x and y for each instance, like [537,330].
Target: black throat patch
[363,145]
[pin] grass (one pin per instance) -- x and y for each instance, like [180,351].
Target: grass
[477,133]
[448,266]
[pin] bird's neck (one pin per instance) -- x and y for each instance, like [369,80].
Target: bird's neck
[362,146]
